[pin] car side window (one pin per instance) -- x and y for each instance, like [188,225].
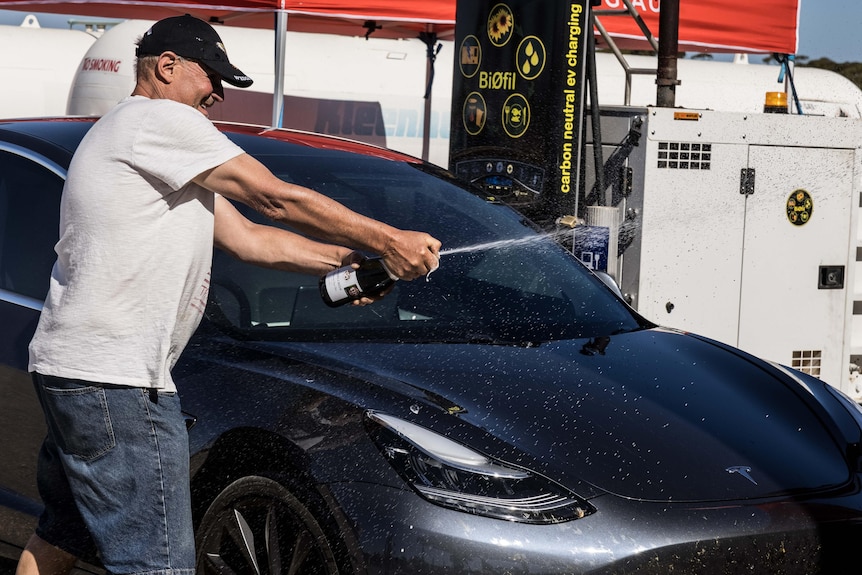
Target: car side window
[29,224]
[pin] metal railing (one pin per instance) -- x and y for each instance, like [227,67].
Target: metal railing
[612,45]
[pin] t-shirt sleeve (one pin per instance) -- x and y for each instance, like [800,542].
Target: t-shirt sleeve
[178,143]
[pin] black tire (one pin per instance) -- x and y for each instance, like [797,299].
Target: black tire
[257,527]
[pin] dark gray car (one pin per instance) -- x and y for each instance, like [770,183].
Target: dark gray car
[507,414]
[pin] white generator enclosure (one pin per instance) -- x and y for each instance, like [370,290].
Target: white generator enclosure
[740,227]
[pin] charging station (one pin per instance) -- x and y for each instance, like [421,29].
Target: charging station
[517,101]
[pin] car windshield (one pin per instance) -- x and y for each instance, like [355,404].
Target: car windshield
[499,279]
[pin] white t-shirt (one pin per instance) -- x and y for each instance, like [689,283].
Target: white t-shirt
[136,236]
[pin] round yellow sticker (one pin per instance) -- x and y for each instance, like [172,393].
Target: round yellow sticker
[501,23]
[800,207]
[531,57]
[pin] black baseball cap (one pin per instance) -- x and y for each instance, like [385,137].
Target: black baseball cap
[191,38]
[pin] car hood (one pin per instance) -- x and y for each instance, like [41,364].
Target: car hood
[652,415]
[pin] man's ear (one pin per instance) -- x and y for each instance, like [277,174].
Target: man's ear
[166,66]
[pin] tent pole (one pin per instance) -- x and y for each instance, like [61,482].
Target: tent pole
[278,75]
[433,48]
[426,119]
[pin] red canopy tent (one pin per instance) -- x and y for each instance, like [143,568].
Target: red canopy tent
[766,26]
[396,18]
[714,25]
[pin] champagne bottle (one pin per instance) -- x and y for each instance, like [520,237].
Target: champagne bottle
[347,283]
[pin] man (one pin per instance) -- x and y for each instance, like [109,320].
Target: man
[145,200]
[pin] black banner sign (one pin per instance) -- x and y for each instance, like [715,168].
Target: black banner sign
[517,101]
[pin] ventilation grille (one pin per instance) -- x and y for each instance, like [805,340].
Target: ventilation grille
[684,156]
[807,362]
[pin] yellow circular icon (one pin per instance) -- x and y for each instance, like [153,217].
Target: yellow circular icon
[501,22]
[531,57]
[474,113]
[516,115]
[470,57]
[800,207]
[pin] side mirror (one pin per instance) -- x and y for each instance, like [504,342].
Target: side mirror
[610,282]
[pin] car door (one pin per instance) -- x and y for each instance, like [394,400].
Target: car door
[30,189]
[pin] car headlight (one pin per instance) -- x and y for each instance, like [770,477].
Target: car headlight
[454,476]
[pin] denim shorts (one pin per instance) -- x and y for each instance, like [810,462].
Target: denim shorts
[113,474]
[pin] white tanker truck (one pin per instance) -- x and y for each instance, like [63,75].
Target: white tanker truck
[39,67]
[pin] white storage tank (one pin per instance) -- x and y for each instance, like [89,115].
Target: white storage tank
[39,67]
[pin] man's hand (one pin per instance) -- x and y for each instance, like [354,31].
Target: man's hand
[412,254]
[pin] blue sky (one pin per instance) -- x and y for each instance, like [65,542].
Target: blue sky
[827,28]
[830,29]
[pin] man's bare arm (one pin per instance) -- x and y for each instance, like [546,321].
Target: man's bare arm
[269,246]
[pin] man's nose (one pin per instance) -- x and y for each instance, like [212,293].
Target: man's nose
[218,91]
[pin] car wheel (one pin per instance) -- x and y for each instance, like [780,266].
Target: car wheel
[256,526]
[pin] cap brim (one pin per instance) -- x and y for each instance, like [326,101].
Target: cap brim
[229,73]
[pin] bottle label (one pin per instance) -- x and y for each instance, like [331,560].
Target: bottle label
[343,285]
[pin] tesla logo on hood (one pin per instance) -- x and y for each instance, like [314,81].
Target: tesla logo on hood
[743,470]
